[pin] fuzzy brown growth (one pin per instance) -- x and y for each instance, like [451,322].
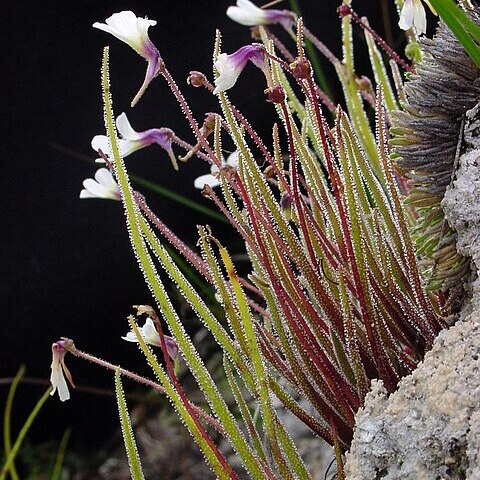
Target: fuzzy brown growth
[427,140]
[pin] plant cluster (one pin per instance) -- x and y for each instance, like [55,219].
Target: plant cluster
[335,296]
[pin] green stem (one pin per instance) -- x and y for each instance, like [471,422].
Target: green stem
[16,447]
[127,431]
[57,468]
[7,419]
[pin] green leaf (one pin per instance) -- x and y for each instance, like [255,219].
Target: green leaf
[127,431]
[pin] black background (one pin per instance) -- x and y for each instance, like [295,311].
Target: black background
[66,264]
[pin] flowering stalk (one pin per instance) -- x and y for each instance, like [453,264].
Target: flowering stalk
[135,377]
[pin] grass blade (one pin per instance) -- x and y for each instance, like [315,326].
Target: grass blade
[7,441]
[21,436]
[57,467]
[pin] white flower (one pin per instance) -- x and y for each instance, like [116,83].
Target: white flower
[59,368]
[247,13]
[150,335]
[413,15]
[133,30]
[132,140]
[230,67]
[104,186]
[211,179]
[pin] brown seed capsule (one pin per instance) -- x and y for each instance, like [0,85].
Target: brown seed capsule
[275,94]
[207,191]
[208,124]
[301,68]
[196,79]
[269,172]
[206,129]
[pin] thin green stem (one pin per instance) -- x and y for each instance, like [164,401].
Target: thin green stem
[57,467]
[7,417]
[21,436]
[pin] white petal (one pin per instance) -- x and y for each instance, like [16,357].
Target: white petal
[122,22]
[128,28]
[246,13]
[143,24]
[150,334]
[248,5]
[130,337]
[58,382]
[420,18]
[86,194]
[228,74]
[105,178]
[110,29]
[233,159]
[406,15]
[249,19]
[203,180]
[95,188]
[101,142]
[126,147]
[125,129]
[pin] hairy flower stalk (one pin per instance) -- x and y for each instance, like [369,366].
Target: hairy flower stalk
[335,297]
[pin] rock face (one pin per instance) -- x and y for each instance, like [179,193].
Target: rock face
[430,427]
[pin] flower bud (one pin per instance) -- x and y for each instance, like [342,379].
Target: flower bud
[286,205]
[269,172]
[364,84]
[343,10]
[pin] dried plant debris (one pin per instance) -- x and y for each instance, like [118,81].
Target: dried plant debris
[428,138]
